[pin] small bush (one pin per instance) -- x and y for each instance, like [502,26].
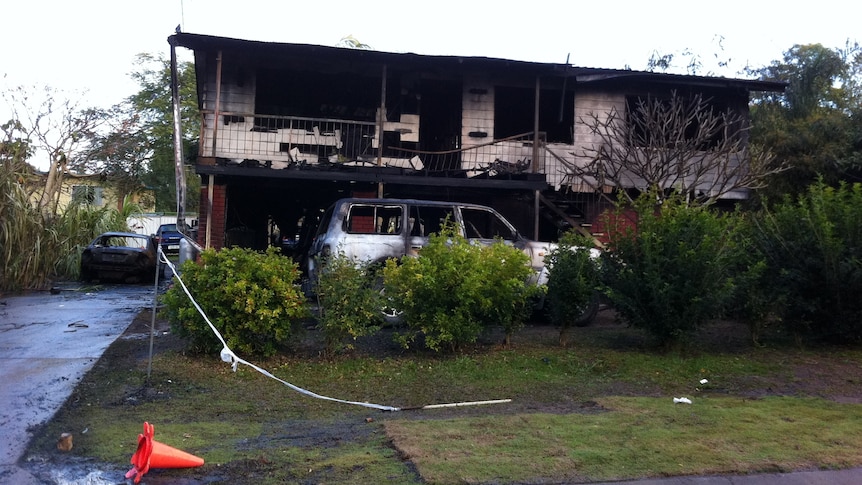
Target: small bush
[349,300]
[454,290]
[250,297]
[573,283]
[675,271]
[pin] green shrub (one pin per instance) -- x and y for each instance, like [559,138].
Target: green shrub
[756,300]
[675,271]
[251,298]
[454,289]
[573,283]
[349,301]
[813,248]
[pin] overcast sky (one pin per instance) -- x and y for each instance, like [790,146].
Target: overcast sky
[90,45]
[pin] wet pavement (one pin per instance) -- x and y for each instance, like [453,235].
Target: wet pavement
[48,341]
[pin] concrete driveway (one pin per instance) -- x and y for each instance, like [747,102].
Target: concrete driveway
[47,343]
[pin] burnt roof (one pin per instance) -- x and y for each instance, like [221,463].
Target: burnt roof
[581,75]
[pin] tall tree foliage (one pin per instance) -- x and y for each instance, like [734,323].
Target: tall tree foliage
[151,112]
[815,126]
[121,154]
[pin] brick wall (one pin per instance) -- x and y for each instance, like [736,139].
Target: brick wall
[218,216]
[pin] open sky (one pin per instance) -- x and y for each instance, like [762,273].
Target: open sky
[89,45]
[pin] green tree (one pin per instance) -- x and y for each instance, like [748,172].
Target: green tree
[151,112]
[815,126]
[120,155]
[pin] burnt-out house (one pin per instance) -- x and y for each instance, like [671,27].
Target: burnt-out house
[289,128]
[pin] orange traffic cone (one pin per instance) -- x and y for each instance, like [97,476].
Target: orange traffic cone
[152,454]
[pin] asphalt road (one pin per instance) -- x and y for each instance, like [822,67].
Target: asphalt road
[47,343]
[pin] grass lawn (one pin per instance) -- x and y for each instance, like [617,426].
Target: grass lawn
[601,409]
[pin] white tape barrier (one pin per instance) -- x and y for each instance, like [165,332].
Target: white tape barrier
[227,355]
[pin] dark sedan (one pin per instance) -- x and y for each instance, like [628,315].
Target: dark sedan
[121,256]
[168,236]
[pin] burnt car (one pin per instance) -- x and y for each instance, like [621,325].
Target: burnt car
[121,256]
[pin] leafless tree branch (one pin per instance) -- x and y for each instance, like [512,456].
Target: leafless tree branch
[673,145]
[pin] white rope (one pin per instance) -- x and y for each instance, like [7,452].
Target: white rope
[228,355]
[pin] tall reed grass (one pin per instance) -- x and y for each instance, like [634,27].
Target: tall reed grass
[37,248]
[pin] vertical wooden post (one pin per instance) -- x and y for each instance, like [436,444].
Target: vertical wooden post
[179,166]
[535,164]
[381,118]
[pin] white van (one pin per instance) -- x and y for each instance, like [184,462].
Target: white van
[374,230]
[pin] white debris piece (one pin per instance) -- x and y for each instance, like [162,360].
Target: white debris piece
[704,381]
[683,400]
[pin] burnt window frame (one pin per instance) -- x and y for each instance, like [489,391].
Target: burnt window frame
[514,113]
[715,104]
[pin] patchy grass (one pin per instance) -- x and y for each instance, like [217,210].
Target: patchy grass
[635,437]
[577,414]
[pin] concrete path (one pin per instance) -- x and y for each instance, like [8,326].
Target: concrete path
[47,343]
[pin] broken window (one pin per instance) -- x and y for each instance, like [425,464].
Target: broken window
[374,219]
[427,220]
[312,94]
[514,113]
[657,121]
[485,224]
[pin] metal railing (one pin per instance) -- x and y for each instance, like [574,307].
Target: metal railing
[281,142]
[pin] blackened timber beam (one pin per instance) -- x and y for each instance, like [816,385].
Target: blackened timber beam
[374,176]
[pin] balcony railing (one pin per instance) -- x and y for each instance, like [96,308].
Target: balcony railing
[282,142]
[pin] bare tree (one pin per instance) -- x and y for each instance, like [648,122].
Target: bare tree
[672,144]
[58,128]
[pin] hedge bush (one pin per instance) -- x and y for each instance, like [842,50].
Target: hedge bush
[349,299]
[813,249]
[573,283]
[252,299]
[675,271]
[454,289]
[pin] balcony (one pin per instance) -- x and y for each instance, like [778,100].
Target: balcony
[331,145]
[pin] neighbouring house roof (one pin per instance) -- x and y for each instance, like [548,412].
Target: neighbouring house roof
[580,75]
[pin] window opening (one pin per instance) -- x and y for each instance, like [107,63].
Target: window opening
[374,219]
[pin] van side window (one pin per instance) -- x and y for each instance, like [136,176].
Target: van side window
[485,224]
[374,219]
[426,220]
